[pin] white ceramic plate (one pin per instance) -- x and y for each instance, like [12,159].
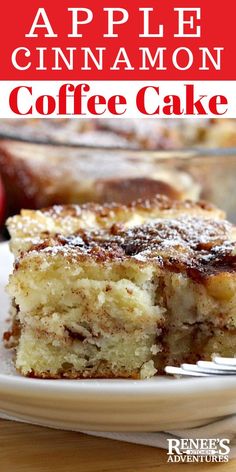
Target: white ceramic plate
[108,405]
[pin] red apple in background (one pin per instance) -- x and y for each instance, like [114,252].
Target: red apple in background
[2,203]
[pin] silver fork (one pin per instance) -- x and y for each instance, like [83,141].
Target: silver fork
[218,366]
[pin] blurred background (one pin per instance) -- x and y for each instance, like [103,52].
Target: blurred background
[57,161]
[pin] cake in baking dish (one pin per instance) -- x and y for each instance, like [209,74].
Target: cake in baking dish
[120,291]
[154,133]
[37,176]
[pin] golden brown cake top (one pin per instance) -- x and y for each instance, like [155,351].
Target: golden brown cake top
[39,225]
[159,203]
[198,246]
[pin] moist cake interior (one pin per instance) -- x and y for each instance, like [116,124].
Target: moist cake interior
[117,298]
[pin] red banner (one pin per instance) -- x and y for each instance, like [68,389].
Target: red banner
[117,40]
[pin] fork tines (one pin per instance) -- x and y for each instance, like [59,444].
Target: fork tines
[218,366]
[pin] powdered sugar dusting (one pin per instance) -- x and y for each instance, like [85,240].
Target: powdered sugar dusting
[180,242]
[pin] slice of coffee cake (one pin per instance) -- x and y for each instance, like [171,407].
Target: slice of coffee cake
[119,291]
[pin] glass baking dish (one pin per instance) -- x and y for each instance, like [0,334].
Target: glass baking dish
[75,174]
[151,134]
